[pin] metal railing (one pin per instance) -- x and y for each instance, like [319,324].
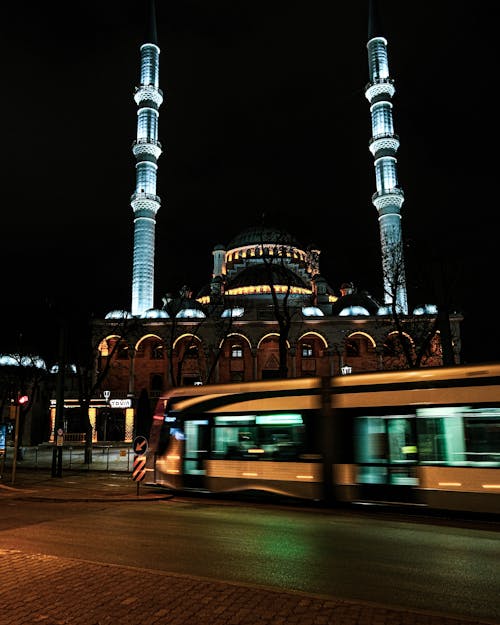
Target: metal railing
[105,457]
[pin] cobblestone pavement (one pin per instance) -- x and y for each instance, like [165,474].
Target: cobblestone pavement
[61,591]
[48,590]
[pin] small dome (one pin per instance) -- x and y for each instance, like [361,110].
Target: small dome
[426,309]
[353,311]
[237,311]
[16,360]
[384,310]
[312,311]
[355,303]
[190,313]
[118,314]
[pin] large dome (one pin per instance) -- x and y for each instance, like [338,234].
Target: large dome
[259,234]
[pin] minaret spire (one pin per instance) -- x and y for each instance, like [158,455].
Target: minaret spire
[384,145]
[152,34]
[146,149]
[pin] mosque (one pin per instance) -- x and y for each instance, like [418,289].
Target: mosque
[268,311]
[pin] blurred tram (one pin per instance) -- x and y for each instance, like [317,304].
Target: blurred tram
[428,437]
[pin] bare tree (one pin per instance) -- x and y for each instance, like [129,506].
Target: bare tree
[82,348]
[21,375]
[414,334]
[279,275]
[220,327]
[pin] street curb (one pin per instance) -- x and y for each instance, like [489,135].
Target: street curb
[90,499]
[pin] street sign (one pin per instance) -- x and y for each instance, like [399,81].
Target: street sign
[139,470]
[140,445]
[3,430]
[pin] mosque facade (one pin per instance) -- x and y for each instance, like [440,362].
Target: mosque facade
[268,311]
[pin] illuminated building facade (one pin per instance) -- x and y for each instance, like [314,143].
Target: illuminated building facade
[265,285]
[384,144]
[146,149]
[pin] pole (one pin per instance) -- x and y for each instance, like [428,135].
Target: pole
[16,441]
[59,420]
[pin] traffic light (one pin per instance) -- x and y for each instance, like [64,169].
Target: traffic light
[22,399]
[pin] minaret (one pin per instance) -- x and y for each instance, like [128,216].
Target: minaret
[146,149]
[384,144]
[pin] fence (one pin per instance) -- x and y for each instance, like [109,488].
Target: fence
[119,457]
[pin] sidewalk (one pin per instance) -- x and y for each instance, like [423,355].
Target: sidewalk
[75,485]
[79,592]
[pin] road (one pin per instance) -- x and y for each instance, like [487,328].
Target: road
[414,563]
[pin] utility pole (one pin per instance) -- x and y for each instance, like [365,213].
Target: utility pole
[21,400]
[16,442]
[59,420]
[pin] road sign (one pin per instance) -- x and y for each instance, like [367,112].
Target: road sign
[139,470]
[3,431]
[140,445]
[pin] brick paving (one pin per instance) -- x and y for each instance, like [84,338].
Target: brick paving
[61,591]
[49,590]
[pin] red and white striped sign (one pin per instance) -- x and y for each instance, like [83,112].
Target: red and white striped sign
[139,469]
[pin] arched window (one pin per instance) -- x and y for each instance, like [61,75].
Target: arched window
[192,351]
[236,351]
[307,350]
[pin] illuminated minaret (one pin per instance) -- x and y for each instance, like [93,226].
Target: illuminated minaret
[384,144]
[146,149]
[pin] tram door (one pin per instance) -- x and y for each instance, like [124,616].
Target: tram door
[386,457]
[196,449]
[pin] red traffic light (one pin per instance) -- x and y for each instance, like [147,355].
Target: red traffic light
[22,399]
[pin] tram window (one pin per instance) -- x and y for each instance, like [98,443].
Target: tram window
[263,440]
[233,441]
[459,435]
[371,439]
[482,435]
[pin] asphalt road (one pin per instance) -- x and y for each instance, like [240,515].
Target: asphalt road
[411,563]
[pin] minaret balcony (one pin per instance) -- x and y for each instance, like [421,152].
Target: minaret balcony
[388,198]
[386,143]
[145,204]
[384,86]
[150,93]
[146,146]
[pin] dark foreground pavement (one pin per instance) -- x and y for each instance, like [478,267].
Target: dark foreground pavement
[49,590]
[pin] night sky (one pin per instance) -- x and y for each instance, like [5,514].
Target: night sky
[264,118]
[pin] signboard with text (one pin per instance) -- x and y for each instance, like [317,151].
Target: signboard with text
[3,436]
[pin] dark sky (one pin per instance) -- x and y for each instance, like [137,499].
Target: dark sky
[264,113]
